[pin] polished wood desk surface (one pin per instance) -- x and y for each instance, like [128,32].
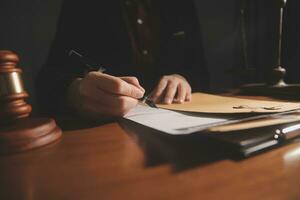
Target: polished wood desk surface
[110,162]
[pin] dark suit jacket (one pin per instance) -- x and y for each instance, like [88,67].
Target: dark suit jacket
[96,28]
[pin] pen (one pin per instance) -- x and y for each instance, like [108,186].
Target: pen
[287,133]
[91,66]
[281,136]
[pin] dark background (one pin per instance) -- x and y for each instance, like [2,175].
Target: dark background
[28,28]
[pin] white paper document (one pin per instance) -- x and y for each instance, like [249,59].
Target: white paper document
[171,122]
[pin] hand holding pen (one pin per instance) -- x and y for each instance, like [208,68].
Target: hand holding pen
[100,94]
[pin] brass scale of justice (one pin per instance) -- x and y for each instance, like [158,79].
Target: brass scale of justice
[275,85]
[19,132]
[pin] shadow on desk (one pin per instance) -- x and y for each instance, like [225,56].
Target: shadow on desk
[69,123]
[182,152]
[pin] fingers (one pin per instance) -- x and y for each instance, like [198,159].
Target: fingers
[181,94]
[133,80]
[118,107]
[102,94]
[158,91]
[101,102]
[101,97]
[114,85]
[188,96]
[172,88]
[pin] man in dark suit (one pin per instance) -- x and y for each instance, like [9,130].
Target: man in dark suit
[154,44]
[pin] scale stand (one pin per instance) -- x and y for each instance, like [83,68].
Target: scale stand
[275,85]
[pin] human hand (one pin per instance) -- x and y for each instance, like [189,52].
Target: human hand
[172,88]
[100,95]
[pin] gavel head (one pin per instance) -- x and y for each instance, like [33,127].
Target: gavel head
[12,93]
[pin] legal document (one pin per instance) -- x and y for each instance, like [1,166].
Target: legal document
[208,103]
[200,114]
[171,122]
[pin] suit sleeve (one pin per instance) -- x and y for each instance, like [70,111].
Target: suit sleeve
[59,70]
[182,49]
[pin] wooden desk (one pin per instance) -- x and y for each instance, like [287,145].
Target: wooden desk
[107,162]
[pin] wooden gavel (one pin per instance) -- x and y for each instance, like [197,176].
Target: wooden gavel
[19,132]
[12,93]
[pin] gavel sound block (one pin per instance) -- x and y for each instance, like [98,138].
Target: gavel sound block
[19,132]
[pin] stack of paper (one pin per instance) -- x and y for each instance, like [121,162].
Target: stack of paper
[188,117]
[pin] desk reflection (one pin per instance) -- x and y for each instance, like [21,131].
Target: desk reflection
[182,152]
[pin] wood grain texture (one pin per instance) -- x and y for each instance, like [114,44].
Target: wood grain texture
[28,133]
[115,162]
